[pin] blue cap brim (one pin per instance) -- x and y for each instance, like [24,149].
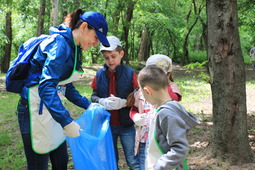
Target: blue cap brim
[102,38]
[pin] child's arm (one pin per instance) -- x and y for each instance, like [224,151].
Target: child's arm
[175,89]
[94,97]
[133,111]
[138,118]
[173,95]
[171,135]
[105,102]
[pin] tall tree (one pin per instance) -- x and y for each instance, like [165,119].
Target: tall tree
[40,27]
[54,13]
[130,4]
[8,46]
[116,14]
[227,73]
[144,48]
[197,11]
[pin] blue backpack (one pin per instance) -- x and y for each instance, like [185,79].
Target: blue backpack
[17,73]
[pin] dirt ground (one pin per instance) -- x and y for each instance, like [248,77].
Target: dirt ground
[199,157]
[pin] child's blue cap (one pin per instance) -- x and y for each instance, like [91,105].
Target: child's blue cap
[98,22]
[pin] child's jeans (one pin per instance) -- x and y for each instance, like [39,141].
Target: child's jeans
[141,155]
[127,138]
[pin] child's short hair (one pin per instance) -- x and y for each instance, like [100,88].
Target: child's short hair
[154,77]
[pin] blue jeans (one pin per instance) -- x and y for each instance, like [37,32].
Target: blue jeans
[127,138]
[141,155]
[58,157]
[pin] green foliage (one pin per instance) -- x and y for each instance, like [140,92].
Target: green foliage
[165,25]
[197,56]
[194,66]
[166,20]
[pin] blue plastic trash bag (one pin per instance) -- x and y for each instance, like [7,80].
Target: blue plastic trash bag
[93,149]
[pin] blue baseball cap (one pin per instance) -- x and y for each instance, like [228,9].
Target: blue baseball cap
[98,22]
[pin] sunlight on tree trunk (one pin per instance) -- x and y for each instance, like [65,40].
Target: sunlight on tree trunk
[40,27]
[144,49]
[54,13]
[8,46]
[130,4]
[227,73]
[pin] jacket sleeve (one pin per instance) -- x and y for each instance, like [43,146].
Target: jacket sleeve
[75,97]
[173,137]
[133,111]
[175,88]
[51,72]
[173,95]
[134,81]
[94,96]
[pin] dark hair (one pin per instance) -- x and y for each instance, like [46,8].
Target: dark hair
[73,20]
[170,74]
[154,77]
[119,48]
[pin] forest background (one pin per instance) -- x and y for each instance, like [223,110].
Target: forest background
[175,28]
[171,27]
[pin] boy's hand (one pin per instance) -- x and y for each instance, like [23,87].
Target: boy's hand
[112,103]
[139,119]
[107,103]
[118,102]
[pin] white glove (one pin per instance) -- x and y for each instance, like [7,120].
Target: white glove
[72,130]
[140,119]
[107,103]
[118,103]
[112,103]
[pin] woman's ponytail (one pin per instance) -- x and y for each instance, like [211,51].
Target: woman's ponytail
[72,20]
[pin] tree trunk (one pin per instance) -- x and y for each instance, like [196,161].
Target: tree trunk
[144,48]
[227,73]
[185,55]
[8,46]
[126,25]
[204,33]
[173,43]
[116,17]
[54,13]
[40,27]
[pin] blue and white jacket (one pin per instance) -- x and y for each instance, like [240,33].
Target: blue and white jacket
[54,59]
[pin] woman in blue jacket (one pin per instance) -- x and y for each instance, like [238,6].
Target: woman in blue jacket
[43,119]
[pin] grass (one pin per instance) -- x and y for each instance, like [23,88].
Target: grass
[195,93]
[11,147]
